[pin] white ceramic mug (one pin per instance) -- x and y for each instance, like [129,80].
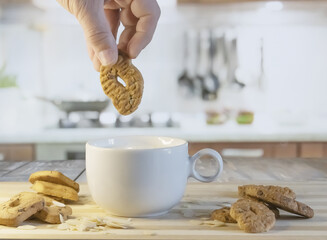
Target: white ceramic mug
[142,176]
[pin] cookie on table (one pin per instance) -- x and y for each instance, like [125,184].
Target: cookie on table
[55,190]
[283,198]
[58,199]
[252,216]
[242,190]
[271,207]
[19,208]
[52,211]
[54,177]
[223,215]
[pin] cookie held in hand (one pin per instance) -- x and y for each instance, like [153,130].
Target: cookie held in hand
[126,99]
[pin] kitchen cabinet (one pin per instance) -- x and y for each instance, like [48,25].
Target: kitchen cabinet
[48,152]
[17,152]
[313,150]
[268,149]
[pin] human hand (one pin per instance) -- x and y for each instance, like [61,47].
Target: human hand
[100,20]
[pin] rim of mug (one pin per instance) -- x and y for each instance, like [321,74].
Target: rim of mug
[90,143]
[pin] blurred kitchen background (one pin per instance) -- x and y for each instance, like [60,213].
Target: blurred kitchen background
[248,78]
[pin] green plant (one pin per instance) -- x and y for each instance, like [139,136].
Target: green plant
[6,80]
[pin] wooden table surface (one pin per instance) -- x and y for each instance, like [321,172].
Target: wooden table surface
[235,169]
[185,220]
[306,177]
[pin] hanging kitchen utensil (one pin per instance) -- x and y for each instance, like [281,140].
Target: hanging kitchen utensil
[185,82]
[194,68]
[199,65]
[233,65]
[210,83]
[262,70]
[220,60]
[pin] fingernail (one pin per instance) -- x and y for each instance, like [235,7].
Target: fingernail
[108,57]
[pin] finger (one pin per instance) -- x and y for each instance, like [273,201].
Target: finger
[125,37]
[127,17]
[96,63]
[113,18]
[129,21]
[90,51]
[148,13]
[143,35]
[98,33]
[115,4]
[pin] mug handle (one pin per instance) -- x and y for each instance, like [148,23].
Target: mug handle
[207,151]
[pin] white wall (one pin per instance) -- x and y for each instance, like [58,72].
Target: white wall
[54,61]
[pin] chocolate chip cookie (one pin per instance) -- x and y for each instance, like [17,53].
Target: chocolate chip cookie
[283,198]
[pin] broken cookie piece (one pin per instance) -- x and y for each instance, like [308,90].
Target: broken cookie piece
[270,206]
[223,215]
[53,212]
[251,216]
[19,208]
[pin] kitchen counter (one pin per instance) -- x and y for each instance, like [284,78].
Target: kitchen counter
[196,132]
[186,220]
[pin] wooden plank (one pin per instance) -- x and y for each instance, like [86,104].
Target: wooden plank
[234,169]
[70,168]
[199,198]
[82,177]
[6,167]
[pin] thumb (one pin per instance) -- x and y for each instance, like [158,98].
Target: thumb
[98,34]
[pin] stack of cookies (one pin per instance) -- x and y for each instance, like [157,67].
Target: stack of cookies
[55,184]
[50,185]
[257,209]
